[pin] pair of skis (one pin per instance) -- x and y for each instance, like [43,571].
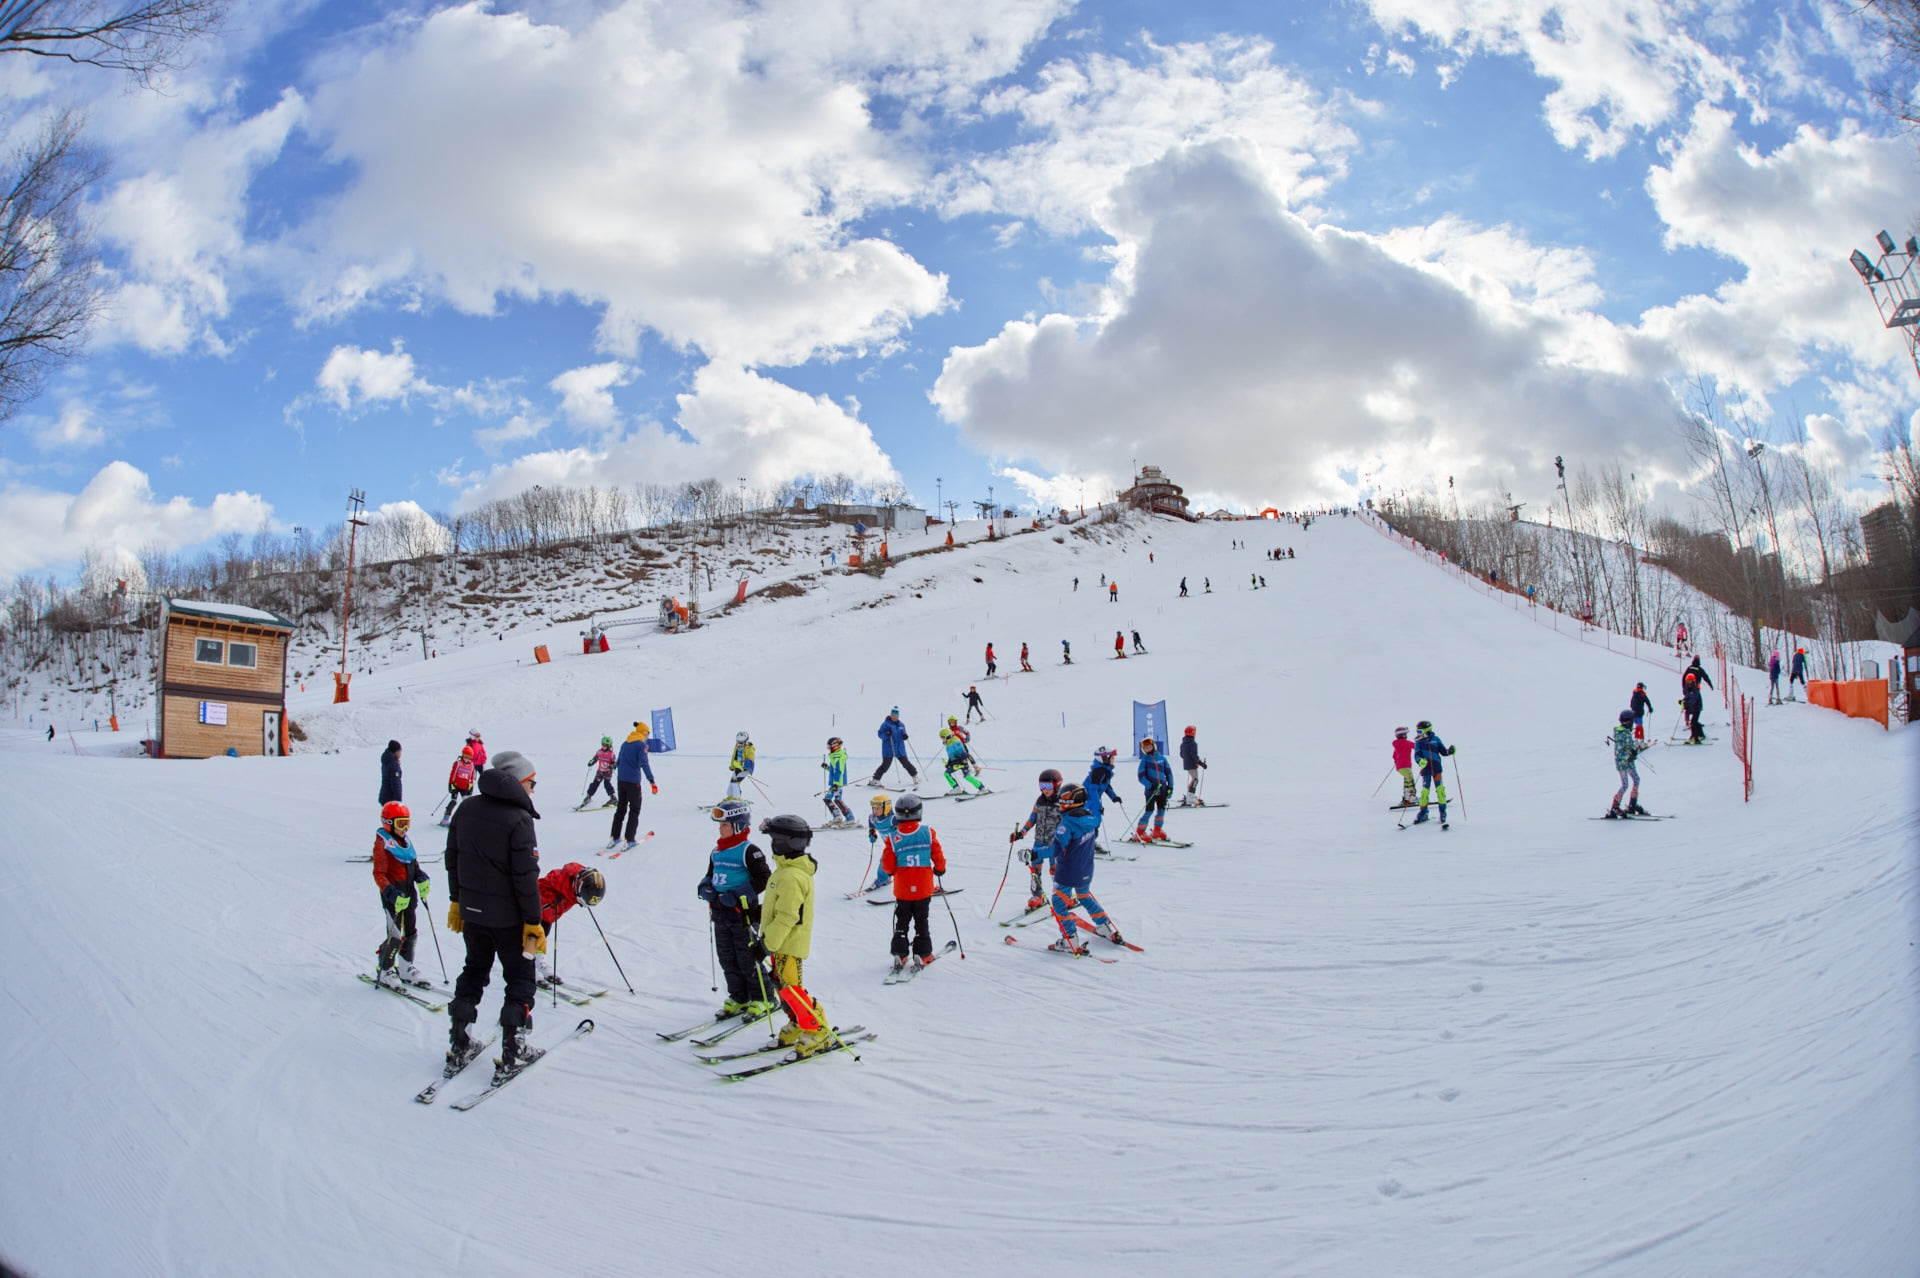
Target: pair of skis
[905,969]
[614,854]
[887,900]
[1155,843]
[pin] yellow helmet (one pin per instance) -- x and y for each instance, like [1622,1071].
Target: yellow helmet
[882,805]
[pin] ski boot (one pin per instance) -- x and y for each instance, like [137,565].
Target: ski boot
[1159,835]
[732,1007]
[1108,931]
[1036,903]
[790,1034]
[406,971]
[1065,945]
[814,1042]
[899,966]
[1614,813]
[1634,808]
[1421,818]
[462,1048]
[612,844]
[759,1008]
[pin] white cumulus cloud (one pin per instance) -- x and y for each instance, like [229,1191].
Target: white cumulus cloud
[116,510]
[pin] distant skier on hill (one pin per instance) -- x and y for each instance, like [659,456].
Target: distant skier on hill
[992,665]
[1431,750]
[460,782]
[479,749]
[1192,763]
[1798,672]
[1692,704]
[1066,653]
[1403,764]
[1640,704]
[1113,592]
[1183,587]
[1155,775]
[1119,645]
[960,763]
[893,745]
[1773,678]
[1137,645]
[1625,751]
[975,705]
[1025,664]
[389,770]
[739,764]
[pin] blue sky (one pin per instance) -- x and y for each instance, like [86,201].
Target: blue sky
[444,252]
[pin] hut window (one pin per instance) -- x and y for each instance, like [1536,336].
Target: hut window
[243,654]
[208,651]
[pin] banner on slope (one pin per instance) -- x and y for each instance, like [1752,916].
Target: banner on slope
[1150,720]
[662,739]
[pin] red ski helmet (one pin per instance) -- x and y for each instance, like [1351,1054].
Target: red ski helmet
[392,812]
[1189,732]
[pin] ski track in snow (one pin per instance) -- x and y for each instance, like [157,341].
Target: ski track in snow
[1530,1044]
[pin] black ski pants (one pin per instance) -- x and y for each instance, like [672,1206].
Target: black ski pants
[600,779]
[733,946]
[914,914]
[403,929]
[484,945]
[887,761]
[627,809]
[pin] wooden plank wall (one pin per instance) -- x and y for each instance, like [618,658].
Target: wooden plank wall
[183,735]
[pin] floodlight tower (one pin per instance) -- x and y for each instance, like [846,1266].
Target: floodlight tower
[1895,287]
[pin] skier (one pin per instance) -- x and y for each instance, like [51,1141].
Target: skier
[1640,704]
[602,763]
[1155,775]
[1066,653]
[1120,645]
[953,726]
[1073,847]
[1025,665]
[1137,645]
[459,782]
[1691,702]
[913,856]
[1773,678]
[893,745]
[1183,587]
[389,771]
[1679,638]
[1113,592]
[1797,673]
[879,826]
[1695,671]
[1430,750]
[402,884]
[629,766]
[1625,750]
[560,890]
[958,761]
[479,750]
[1099,783]
[992,665]
[1403,764]
[838,813]
[1255,578]
[1191,761]
[737,873]
[493,890]
[1207,582]
[740,764]
[786,932]
[1043,820]
[975,705]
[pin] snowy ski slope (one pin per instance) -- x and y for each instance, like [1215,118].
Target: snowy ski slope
[1533,1044]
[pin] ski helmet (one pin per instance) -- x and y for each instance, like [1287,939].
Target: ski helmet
[589,887]
[392,812]
[946,734]
[1692,677]
[881,805]
[1626,716]
[954,719]
[1051,777]
[473,734]
[1189,732]
[606,741]
[466,752]
[1104,755]
[789,834]
[733,812]
[1399,732]
[1148,743]
[908,809]
[1073,795]
[1425,725]
[740,738]
[833,743]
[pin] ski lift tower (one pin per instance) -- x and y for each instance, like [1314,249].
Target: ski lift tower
[356,507]
[1895,287]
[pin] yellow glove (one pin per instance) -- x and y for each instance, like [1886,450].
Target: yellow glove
[454,921]
[533,940]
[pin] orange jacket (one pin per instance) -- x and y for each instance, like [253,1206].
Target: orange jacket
[913,882]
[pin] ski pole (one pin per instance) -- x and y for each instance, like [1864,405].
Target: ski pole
[1459,790]
[434,929]
[713,944]
[956,922]
[609,945]
[1383,781]
[761,788]
[553,944]
[1005,871]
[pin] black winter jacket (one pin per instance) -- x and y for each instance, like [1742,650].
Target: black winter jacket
[389,776]
[1189,752]
[493,855]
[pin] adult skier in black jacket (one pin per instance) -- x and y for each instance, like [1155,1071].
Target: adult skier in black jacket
[493,881]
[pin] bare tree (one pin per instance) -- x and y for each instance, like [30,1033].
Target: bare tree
[143,38]
[47,259]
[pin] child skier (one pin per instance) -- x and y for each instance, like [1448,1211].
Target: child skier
[915,860]
[879,826]
[737,873]
[1043,821]
[1640,704]
[560,890]
[975,705]
[1155,775]
[1119,645]
[992,665]
[786,932]
[953,726]
[459,782]
[1073,846]
[479,750]
[1692,703]
[1430,750]
[1403,764]
[397,873]
[1099,783]
[603,760]
[1066,653]
[1192,763]
[1137,645]
[959,761]
[740,765]
[1625,750]
[1797,673]
[1025,665]
[1773,678]
[839,815]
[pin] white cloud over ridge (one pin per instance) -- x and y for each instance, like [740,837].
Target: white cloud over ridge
[353,378]
[1256,357]
[116,509]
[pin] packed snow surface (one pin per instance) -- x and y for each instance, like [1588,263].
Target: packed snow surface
[1534,1043]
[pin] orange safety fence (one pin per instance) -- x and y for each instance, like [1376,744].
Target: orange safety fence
[1855,698]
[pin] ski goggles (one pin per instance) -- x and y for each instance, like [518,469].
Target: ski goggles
[400,823]
[1049,785]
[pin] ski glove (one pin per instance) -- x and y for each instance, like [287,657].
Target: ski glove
[400,903]
[654,788]
[454,921]
[533,939]
[1026,857]
[757,950]
[425,886]
[1453,749]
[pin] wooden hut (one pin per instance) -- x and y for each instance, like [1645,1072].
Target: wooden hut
[223,680]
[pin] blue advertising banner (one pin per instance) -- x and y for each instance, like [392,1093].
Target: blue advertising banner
[662,739]
[1150,720]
